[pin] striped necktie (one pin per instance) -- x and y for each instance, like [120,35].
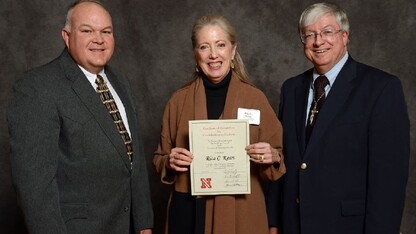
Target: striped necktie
[110,104]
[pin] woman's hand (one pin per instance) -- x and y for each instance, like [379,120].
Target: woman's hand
[263,153]
[180,159]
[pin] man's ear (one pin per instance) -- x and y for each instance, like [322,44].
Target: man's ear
[65,36]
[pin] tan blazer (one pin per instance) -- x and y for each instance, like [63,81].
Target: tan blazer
[224,214]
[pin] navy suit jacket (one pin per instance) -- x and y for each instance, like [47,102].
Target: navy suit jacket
[351,177]
[69,164]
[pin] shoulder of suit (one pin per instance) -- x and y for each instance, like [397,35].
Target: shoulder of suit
[45,74]
[374,74]
[182,92]
[298,79]
[245,86]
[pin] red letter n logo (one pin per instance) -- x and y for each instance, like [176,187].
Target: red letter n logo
[206,183]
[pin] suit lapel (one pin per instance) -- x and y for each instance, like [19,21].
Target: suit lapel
[89,97]
[334,103]
[125,98]
[130,113]
[231,101]
[301,98]
[199,101]
[121,92]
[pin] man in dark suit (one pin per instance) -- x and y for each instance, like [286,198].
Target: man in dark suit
[347,148]
[71,168]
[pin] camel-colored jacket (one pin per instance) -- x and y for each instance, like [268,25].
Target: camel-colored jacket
[229,214]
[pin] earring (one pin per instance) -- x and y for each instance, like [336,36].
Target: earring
[232,64]
[196,68]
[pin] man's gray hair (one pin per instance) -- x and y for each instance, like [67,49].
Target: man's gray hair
[71,8]
[311,14]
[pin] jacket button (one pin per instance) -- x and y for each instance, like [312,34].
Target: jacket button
[126,209]
[303,166]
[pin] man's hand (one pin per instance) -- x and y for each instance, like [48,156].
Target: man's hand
[146,231]
[273,230]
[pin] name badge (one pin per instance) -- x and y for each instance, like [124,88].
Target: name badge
[252,115]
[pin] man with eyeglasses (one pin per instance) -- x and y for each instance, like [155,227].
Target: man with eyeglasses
[346,139]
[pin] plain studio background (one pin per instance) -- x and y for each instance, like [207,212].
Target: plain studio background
[153,48]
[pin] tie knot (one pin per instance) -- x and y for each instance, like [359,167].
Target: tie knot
[99,80]
[320,83]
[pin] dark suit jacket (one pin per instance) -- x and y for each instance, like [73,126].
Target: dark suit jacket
[69,164]
[356,159]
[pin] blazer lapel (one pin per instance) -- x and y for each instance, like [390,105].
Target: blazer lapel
[121,92]
[233,95]
[301,100]
[199,100]
[130,113]
[334,103]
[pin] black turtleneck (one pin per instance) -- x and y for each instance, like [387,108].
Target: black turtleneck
[216,95]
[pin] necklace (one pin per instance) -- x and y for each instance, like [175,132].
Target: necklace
[314,109]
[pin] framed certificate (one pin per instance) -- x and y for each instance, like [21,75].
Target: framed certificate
[221,164]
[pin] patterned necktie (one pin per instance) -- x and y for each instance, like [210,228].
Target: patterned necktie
[110,104]
[318,100]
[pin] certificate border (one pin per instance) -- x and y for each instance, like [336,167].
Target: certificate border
[192,178]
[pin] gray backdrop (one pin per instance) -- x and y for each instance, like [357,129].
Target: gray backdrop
[153,48]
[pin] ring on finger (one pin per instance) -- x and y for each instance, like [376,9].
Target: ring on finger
[261,158]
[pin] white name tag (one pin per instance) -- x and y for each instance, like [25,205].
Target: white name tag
[252,115]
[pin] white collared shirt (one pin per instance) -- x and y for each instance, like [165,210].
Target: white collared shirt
[91,78]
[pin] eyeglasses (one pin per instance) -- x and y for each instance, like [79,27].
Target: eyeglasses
[325,34]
